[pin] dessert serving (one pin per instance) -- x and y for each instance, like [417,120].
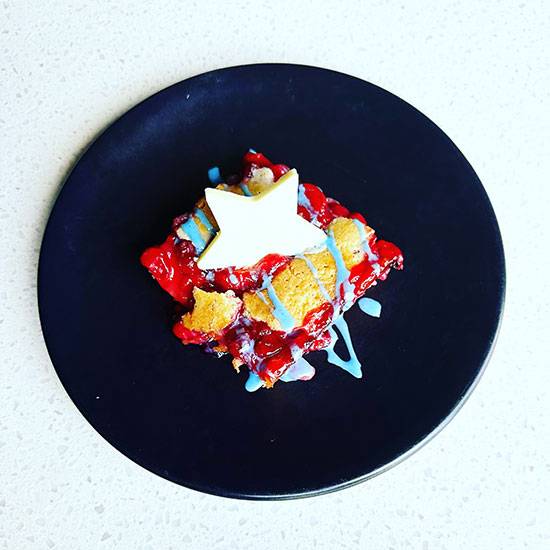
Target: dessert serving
[264,268]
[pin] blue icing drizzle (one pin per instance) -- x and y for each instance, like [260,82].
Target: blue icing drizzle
[252,151]
[302,199]
[205,221]
[305,202]
[279,310]
[315,274]
[300,370]
[342,273]
[366,247]
[192,229]
[370,307]
[245,189]
[214,175]
[352,365]
[232,277]
[364,241]
[253,383]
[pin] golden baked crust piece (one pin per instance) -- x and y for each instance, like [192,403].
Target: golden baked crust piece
[212,312]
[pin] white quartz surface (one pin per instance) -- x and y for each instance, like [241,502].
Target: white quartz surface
[480,70]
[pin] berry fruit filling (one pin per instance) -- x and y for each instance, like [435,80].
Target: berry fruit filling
[269,315]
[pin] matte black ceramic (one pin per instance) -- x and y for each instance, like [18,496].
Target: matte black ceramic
[185,415]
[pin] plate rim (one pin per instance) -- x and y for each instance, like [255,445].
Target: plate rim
[338,486]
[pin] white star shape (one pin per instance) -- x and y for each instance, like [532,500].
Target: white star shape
[252,227]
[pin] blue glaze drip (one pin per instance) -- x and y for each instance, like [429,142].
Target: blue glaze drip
[342,273]
[300,370]
[252,151]
[373,258]
[315,274]
[205,221]
[304,201]
[245,189]
[192,229]
[370,307]
[233,278]
[253,383]
[352,365]
[279,311]
[364,241]
[214,175]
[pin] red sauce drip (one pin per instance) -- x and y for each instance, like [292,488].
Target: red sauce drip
[190,336]
[173,266]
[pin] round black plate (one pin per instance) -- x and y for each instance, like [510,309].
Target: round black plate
[185,415]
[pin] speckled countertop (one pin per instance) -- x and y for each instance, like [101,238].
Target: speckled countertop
[482,74]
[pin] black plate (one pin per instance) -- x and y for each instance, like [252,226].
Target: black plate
[185,415]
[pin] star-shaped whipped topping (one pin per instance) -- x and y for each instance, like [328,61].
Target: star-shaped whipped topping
[252,227]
